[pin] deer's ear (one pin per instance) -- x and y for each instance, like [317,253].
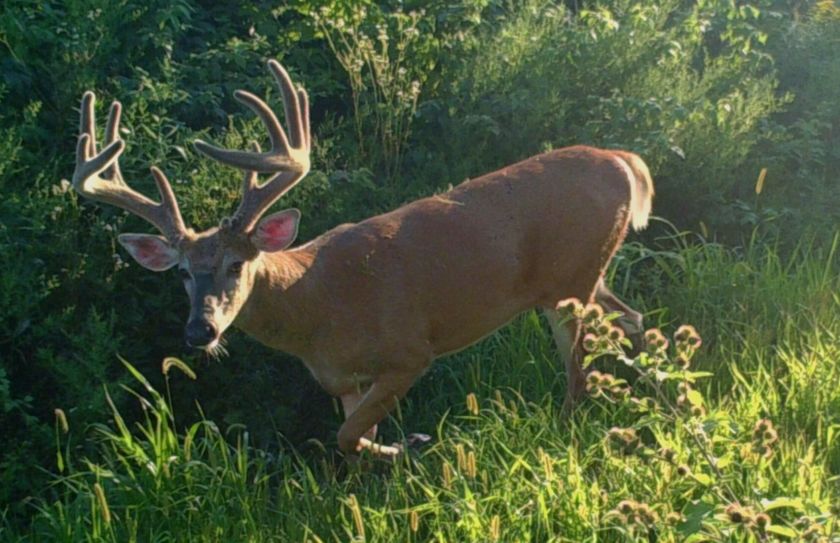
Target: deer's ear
[276,231]
[152,252]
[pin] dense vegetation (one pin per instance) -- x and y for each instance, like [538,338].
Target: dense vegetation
[734,106]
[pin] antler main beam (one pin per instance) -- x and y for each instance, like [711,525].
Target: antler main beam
[97,175]
[288,157]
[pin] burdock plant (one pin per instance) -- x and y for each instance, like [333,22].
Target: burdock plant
[666,397]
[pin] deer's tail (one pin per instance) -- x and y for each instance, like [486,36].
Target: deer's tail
[641,189]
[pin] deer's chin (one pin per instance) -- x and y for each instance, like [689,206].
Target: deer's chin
[207,347]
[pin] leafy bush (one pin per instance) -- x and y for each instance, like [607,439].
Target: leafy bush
[640,76]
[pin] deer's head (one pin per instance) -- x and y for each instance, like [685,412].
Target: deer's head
[218,265]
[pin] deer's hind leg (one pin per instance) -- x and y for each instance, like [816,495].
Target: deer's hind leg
[630,321]
[566,334]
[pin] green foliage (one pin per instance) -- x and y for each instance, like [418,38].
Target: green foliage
[640,76]
[386,56]
[676,452]
[405,101]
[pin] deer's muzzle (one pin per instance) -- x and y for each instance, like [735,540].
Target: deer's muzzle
[200,332]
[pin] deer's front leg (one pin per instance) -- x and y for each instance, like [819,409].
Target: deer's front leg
[374,405]
[350,402]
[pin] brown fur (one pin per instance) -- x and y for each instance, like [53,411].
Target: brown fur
[381,299]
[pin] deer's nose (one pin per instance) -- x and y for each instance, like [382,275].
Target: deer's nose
[200,333]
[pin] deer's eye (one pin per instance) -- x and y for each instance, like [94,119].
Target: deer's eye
[235,268]
[185,275]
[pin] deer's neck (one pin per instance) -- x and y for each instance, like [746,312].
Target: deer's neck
[277,313]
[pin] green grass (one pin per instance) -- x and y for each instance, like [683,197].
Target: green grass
[518,469]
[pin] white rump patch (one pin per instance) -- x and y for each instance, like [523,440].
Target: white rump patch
[639,203]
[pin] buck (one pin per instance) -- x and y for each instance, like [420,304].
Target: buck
[369,306]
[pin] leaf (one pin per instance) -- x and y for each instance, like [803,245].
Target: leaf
[781,530]
[703,479]
[778,503]
[723,461]
[690,376]
[694,516]
[181,151]
[137,375]
[694,398]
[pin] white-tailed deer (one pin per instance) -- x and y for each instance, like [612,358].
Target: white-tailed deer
[369,306]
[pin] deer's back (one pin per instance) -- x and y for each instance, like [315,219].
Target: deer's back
[442,272]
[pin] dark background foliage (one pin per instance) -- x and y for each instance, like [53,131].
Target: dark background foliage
[407,98]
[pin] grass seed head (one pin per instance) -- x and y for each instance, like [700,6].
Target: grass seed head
[356,511]
[103,503]
[61,418]
[547,463]
[495,528]
[472,404]
[461,457]
[446,472]
[472,467]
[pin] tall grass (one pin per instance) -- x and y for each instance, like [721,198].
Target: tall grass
[505,464]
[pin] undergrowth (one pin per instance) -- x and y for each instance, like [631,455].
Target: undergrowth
[734,440]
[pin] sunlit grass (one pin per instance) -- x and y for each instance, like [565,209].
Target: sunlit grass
[505,464]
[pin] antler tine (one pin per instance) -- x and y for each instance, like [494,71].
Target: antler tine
[288,157]
[112,133]
[97,175]
[277,159]
[303,100]
[284,155]
[87,124]
[269,119]
[290,103]
[251,179]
